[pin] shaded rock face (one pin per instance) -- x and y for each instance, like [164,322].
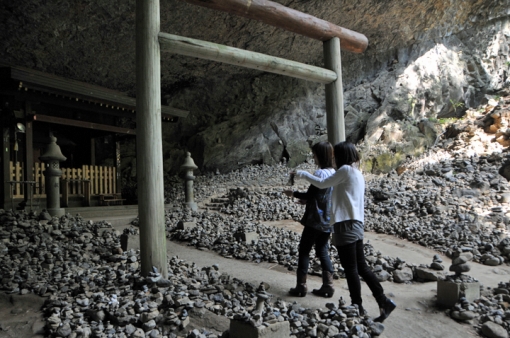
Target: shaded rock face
[425,59]
[262,124]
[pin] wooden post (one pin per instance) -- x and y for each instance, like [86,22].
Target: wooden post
[5,175]
[86,193]
[100,181]
[118,182]
[29,154]
[92,151]
[95,173]
[149,147]
[334,92]
[65,193]
[275,14]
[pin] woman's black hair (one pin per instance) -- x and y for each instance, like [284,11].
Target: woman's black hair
[324,154]
[345,153]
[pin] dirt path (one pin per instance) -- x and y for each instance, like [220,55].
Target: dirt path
[417,314]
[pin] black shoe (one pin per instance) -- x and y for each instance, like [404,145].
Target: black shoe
[386,308]
[299,291]
[325,291]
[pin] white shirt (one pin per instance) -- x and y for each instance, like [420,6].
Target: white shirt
[348,200]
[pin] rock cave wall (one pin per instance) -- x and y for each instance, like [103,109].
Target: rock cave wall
[266,118]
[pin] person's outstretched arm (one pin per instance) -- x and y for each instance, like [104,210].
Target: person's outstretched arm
[322,183]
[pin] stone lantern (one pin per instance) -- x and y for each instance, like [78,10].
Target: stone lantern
[187,167]
[52,157]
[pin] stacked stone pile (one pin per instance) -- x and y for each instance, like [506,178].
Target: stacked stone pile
[452,200]
[261,205]
[460,265]
[340,320]
[94,288]
[489,314]
[205,186]
[443,206]
[449,202]
[41,256]
[216,232]
[453,204]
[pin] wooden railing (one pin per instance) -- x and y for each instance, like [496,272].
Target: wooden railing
[103,180]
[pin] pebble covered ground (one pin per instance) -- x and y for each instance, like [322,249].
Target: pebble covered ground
[452,199]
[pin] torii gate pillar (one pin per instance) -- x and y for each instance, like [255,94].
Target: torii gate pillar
[334,92]
[149,148]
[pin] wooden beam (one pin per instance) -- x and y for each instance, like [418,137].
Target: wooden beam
[83,124]
[277,15]
[334,93]
[52,84]
[86,106]
[149,144]
[239,57]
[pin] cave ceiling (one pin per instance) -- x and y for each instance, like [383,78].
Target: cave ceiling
[94,41]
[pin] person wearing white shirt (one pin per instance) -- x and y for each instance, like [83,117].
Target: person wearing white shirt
[347,217]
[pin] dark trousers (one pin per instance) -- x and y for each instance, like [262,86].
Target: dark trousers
[309,238]
[353,261]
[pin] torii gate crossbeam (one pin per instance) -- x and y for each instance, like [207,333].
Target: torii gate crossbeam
[275,14]
[243,58]
[333,37]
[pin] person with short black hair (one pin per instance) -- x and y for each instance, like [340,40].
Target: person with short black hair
[347,217]
[317,228]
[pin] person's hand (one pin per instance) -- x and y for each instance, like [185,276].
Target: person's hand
[303,202]
[291,178]
[298,173]
[289,193]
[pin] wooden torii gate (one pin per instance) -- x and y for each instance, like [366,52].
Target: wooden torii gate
[150,41]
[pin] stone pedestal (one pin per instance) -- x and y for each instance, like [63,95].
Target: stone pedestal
[245,330]
[186,225]
[124,238]
[248,237]
[449,293]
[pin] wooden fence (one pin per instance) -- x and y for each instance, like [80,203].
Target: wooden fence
[103,180]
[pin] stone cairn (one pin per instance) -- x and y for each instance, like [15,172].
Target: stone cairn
[460,266]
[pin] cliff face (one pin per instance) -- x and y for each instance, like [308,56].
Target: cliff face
[426,59]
